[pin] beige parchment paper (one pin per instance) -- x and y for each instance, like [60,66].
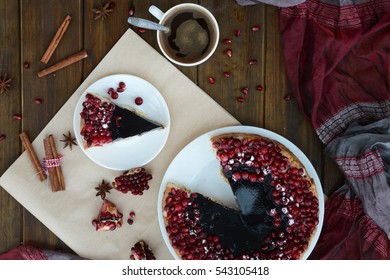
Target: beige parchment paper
[69,214]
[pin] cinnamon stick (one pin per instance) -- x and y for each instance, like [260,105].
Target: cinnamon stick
[56,40]
[51,170]
[63,63]
[32,155]
[58,169]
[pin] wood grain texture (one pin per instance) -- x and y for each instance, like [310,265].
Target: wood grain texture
[10,103]
[53,89]
[28,26]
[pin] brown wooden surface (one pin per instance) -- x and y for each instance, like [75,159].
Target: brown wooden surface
[27,27]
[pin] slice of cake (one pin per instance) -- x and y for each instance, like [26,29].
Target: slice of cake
[102,122]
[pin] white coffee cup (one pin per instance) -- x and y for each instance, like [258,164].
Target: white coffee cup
[193,35]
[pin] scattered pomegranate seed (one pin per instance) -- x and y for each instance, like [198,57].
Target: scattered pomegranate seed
[114,95]
[287,97]
[252,62]
[2,137]
[17,117]
[139,101]
[120,89]
[38,101]
[240,99]
[260,88]
[130,221]
[238,32]
[122,85]
[132,214]
[211,80]
[255,28]
[245,90]
[110,91]
[131,11]
[226,74]
[26,65]
[229,52]
[141,30]
[227,41]
[111,5]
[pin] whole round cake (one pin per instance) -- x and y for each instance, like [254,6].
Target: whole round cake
[278,206]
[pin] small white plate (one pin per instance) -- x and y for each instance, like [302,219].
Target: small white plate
[134,151]
[197,168]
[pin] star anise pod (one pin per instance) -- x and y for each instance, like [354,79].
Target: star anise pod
[104,10]
[69,140]
[5,83]
[102,189]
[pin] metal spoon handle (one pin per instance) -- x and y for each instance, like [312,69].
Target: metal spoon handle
[143,23]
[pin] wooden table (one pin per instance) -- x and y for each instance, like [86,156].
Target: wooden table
[27,27]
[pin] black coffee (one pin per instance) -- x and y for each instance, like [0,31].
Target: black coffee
[190,38]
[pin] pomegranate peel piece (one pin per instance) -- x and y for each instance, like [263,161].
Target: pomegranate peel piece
[134,181]
[109,217]
[141,251]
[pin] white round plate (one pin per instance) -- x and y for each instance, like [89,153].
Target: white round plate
[134,151]
[197,168]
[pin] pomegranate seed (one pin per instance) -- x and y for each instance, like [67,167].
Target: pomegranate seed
[260,88]
[236,176]
[287,97]
[211,80]
[139,101]
[238,32]
[17,117]
[227,41]
[38,101]
[26,65]
[141,30]
[2,137]
[122,85]
[240,99]
[252,177]
[130,221]
[114,95]
[229,52]
[226,74]
[110,91]
[131,11]
[132,214]
[120,89]
[245,90]
[255,28]
[296,255]
[252,62]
